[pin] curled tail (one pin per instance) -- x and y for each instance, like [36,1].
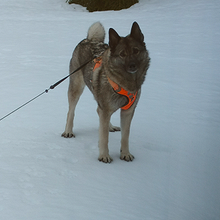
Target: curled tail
[96,32]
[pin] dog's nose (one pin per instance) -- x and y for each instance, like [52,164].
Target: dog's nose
[132,68]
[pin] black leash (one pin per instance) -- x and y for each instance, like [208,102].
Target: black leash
[51,87]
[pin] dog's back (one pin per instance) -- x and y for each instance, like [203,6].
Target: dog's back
[88,48]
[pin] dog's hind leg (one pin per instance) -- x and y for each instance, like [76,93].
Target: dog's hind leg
[75,90]
[113,128]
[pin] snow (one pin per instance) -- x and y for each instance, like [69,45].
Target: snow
[175,131]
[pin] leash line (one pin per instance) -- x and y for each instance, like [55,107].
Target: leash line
[60,81]
[51,87]
[23,105]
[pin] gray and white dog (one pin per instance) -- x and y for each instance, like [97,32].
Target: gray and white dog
[115,81]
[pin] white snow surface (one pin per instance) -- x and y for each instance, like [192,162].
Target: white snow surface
[175,133]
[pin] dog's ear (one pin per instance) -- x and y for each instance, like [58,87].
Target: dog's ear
[114,39]
[136,32]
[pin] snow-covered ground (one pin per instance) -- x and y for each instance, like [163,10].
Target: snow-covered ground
[175,134]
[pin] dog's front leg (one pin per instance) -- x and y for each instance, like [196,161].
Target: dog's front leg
[104,119]
[126,117]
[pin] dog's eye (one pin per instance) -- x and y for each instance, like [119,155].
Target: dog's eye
[135,50]
[123,54]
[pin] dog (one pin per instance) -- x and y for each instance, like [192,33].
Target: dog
[115,82]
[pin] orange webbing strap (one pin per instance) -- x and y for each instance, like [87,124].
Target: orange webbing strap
[98,63]
[131,96]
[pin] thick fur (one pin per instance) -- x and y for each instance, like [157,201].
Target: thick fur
[125,61]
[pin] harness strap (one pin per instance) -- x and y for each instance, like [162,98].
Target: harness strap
[98,63]
[118,89]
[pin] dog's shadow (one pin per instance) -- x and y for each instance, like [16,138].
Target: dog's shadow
[86,133]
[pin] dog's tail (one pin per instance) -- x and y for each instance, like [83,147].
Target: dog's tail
[96,32]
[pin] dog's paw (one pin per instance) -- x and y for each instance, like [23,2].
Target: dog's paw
[105,159]
[113,128]
[127,157]
[68,134]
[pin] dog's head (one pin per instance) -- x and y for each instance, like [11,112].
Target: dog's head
[129,57]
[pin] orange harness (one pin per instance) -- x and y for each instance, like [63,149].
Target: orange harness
[118,89]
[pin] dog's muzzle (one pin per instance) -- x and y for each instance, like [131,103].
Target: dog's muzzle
[132,68]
